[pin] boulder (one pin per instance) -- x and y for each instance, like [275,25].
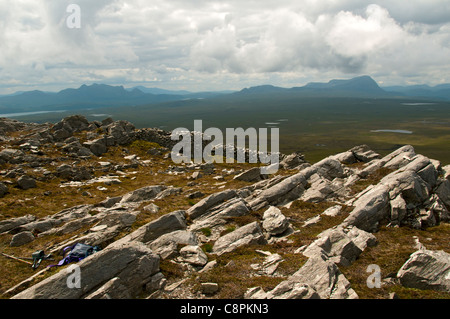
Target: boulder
[193,255]
[438,208]
[9,154]
[152,208]
[72,225]
[398,210]
[68,172]
[285,290]
[26,182]
[292,161]
[250,234]
[269,265]
[73,123]
[426,269]
[133,263]
[251,175]
[446,172]
[121,131]
[98,146]
[210,288]
[328,168]
[333,211]
[22,238]
[3,190]
[143,194]
[443,191]
[345,157]
[363,153]
[429,175]
[118,218]
[274,222]
[167,245]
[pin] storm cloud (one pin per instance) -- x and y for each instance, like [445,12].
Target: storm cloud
[209,45]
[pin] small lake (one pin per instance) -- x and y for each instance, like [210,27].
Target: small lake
[418,104]
[392,131]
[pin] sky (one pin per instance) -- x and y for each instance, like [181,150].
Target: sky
[204,45]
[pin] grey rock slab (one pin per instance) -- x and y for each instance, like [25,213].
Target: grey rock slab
[251,175]
[12,223]
[250,234]
[143,194]
[318,277]
[370,209]
[154,229]
[133,263]
[206,203]
[426,269]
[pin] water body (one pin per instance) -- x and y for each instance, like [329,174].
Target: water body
[100,115]
[393,131]
[418,104]
[9,115]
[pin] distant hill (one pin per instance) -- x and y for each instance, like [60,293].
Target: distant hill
[363,86]
[94,96]
[441,91]
[101,95]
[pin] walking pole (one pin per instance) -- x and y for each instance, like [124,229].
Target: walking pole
[15,258]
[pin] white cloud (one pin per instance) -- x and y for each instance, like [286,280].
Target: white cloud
[202,44]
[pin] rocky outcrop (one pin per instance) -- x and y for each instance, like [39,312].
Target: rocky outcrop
[404,196]
[133,264]
[319,278]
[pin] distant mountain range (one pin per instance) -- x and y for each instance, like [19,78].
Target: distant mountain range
[440,92]
[101,95]
[363,86]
